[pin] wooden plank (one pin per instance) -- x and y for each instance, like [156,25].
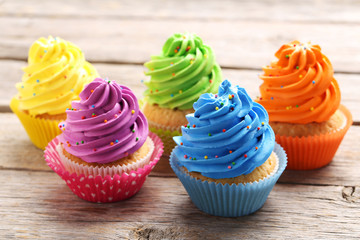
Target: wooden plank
[131,76]
[342,171]
[237,44]
[39,204]
[280,10]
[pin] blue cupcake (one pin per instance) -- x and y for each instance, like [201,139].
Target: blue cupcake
[227,158]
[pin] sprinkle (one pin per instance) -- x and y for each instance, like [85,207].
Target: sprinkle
[256,148]
[171,95]
[272,98]
[188,126]
[181,144]
[190,158]
[132,111]
[141,81]
[94,149]
[72,90]
[111,143]
[133,130]
[45,51]
[116,141]
[119,111]
[37,80]
[229,167]
[206,157]
[222,104]
[34,94]
[216,95]
[194,158]
[205,55]
[180,91]
[185,156]
[194,126]
[77,143]
[233,163]
[262,123]
[312,109]
[156,90]
[230,151]
[151,91]
[300,76]
[137,139]
[209,134]
[92,90]
[297,106]
[313,81]
[60,126]
[109,82]
[281,86]
[185,125]
[216,156]
[115,116]
[217,108]
[248,127]
[297,67]
[69,145]
[105,121]
[258,128]
[65,76]
[22,86]
[175,50]
[224,130]
[245,156]
[210,81]
[93,106]
[287,56]
[230,97]
[171,64]
[173,74]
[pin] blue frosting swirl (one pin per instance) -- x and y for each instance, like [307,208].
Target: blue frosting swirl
[227,136]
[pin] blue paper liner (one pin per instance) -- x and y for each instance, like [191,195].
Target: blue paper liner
[229,200]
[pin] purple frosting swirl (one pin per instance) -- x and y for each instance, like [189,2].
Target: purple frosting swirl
[105,125]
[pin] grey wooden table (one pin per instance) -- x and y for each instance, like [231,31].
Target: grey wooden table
[118,37]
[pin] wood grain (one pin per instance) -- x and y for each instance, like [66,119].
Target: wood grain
[131,76]
[280,10]
[237,44]
[39,204]
[342,171]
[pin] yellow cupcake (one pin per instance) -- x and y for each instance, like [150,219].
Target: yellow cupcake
[56,73]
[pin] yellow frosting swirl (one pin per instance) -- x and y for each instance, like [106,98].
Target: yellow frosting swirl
[55,75]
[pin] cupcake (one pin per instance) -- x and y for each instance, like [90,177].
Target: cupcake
[227,158]
[302,98]
[184,70]
[105,151]
[55,75]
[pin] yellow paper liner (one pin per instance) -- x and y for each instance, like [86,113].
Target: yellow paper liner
[40,131]
[311,152]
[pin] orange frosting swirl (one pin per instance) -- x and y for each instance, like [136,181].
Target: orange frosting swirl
[300,86]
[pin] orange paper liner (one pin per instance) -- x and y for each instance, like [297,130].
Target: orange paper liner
[40,131]
[311,152]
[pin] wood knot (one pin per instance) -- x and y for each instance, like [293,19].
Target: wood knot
[351,194]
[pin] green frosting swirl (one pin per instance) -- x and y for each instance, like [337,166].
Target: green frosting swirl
[185,70]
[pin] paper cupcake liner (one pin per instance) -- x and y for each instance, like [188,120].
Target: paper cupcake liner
[79,169]
[40,131]
[311,152]
[229,200]
[103,189]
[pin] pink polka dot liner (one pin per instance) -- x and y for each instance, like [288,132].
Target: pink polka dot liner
[103,189]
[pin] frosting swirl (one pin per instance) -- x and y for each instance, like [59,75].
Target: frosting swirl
[185,70]
[299,87]
[227,136]
[105,125]
[55,75]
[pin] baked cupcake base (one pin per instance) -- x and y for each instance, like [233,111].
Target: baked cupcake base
[41,130]
[166,123]
[229,200]
[312,152]
[106,188]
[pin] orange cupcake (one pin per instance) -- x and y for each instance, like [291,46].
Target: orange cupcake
[302,98]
